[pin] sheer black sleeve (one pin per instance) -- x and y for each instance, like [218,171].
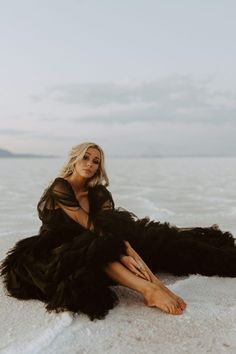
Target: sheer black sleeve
[61,195]
[109,220]
[100,199]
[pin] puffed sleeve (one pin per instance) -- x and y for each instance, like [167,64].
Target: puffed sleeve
[107,246]
[100,199]
[61,195]
[110,220]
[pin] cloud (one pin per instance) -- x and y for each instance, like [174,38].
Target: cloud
[170,99]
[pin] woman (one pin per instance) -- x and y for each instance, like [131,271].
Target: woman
[85,245]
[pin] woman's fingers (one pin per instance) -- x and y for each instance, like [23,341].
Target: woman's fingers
[142,269]
[136,271]
[135,266]
[130,263]
[139,270]
[146,275]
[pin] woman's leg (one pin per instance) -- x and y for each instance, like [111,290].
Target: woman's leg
[154,294]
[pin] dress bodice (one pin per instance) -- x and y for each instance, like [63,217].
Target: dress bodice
[60,192]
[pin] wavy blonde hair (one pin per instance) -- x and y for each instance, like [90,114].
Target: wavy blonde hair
[77,153]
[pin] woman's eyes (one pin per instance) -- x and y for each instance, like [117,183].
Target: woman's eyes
[94,161]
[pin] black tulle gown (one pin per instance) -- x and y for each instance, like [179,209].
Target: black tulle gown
[63,264]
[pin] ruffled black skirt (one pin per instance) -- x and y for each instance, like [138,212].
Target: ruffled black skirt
[71,277]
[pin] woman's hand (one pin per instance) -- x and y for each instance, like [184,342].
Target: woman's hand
[135,266]
[145,269]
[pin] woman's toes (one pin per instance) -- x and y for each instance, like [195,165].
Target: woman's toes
[181,303]
[179,311]
[172,309]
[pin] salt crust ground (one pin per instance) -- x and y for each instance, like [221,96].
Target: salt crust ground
[208,325]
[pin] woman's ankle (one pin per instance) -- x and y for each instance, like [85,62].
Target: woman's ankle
[149,287]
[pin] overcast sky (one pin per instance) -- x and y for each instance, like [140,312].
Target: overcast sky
[136,76]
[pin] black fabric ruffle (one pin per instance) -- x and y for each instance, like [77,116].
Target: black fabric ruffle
[70,277]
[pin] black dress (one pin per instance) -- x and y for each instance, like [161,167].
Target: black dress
[63,264]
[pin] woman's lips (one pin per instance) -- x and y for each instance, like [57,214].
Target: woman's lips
[88,171]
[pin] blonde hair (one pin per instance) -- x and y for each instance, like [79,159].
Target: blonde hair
[77,153]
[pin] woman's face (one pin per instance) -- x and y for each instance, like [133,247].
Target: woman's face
[89,164]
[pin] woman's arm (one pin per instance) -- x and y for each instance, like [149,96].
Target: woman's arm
[144,268]
[134,266]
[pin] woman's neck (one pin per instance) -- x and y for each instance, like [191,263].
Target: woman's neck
[78,182]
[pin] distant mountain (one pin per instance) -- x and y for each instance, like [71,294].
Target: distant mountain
[8,154]
[5,153]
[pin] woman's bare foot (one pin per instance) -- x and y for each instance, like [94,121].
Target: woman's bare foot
[156,296]
[154,280]
[181,302]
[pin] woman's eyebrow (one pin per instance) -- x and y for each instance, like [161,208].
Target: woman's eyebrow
[96,157]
